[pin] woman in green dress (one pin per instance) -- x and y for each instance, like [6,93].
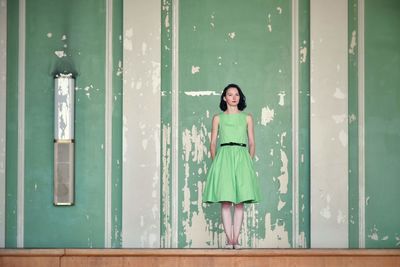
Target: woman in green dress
[231,179]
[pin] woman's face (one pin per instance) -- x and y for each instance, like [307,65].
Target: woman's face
[232,96]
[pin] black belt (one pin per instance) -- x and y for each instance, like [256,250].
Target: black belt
[233,144]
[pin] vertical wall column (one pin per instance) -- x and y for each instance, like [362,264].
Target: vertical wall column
[3,59]
[141,124]
[329,128]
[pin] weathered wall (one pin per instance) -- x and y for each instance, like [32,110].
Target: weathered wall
[381,123]
[212,46]
[154,138]
[373,123]
[141,124]
[45,37]
[328,131]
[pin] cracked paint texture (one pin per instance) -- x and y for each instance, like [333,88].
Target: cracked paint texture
[215,50]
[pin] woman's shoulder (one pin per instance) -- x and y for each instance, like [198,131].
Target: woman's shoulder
[217,116]
[246,114]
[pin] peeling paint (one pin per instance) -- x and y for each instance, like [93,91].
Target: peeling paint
[282,95]
[352,118]
[232,35]
[267,115]
[195,69]
[212,21]
[49,34]
[119,69]
[269,25]
[201,93]
[303,54]
[60,54]
[283,135]
[374,233]
[284,177]
[166,203]
[281,204]
[275,234]
[353,43]
[367,200]
[166,21]
[302,240]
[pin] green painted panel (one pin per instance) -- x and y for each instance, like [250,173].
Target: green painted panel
[353,124]
[248,44]
[166,122]
[12,125]
[78,29]
[382,123]
[304,123]
[116,213]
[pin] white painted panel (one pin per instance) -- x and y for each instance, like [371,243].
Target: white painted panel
[3,57]
[329,113]
[141,123]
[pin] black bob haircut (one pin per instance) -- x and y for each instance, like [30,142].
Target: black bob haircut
[242,101]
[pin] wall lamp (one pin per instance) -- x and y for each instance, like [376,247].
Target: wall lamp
[64,120]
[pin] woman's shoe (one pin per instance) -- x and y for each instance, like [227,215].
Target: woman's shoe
[237,246]
[228,246]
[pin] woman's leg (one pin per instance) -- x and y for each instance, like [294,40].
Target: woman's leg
[227,220]
[237,222]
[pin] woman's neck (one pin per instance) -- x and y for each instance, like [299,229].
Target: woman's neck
[232,110]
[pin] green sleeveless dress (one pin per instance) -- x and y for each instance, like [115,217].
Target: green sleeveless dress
[231,176]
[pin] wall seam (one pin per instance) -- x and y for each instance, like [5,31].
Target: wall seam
[361,123]
[108,123]
[21,125]
[295,123]
[175,121]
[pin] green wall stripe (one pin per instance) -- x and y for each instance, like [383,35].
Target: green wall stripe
[304,124]
[21,125]
[361,123]
[116,201]
[12,124]
[353,121]
[166,122]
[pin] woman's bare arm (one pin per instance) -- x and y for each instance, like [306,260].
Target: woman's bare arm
[214,134]
[250,134]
